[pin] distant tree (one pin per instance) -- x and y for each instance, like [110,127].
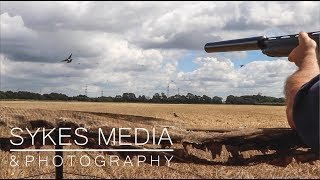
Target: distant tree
[254,99]
[156,98]
[56,96]
[10,95]
[190,97]
[217,100]
[118,98]
[163,98]
[230,99]
[28,95]
[177,99]
[2,95]
[81,98]
[129,97]
[103,99]
[205,99]
[142,98]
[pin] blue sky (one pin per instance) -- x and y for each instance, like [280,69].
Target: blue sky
[186,64]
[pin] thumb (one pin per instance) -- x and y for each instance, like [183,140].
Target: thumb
[306,41]
[303,38]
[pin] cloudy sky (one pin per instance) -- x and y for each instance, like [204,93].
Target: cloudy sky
[141,47]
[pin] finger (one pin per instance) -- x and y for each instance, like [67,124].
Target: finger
[292,55]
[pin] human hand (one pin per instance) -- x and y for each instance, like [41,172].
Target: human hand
[305,54]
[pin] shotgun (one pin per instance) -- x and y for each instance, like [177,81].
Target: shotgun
[280,46]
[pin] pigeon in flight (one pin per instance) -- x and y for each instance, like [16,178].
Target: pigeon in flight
[68,60]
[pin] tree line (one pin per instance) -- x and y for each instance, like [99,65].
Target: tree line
[189,98]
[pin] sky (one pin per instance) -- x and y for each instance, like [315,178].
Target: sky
[144,47]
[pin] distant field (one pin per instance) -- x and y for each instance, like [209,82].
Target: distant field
[216,116]
[198,116]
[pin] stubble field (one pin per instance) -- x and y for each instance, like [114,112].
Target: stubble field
[191,116]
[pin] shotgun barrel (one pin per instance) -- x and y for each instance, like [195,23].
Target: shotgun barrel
[279,46]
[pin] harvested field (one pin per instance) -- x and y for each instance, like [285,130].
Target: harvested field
[92,115]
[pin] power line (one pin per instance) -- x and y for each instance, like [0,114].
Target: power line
[168,87]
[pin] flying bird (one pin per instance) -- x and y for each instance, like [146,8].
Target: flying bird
[241,65]
[68,60]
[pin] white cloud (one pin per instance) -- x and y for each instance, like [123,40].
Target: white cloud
[137,46]
[12,28]
[220,76]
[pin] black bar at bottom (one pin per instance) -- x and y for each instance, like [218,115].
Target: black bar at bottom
[59,170]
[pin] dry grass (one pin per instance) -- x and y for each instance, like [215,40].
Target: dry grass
[215,116]
[200,116]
